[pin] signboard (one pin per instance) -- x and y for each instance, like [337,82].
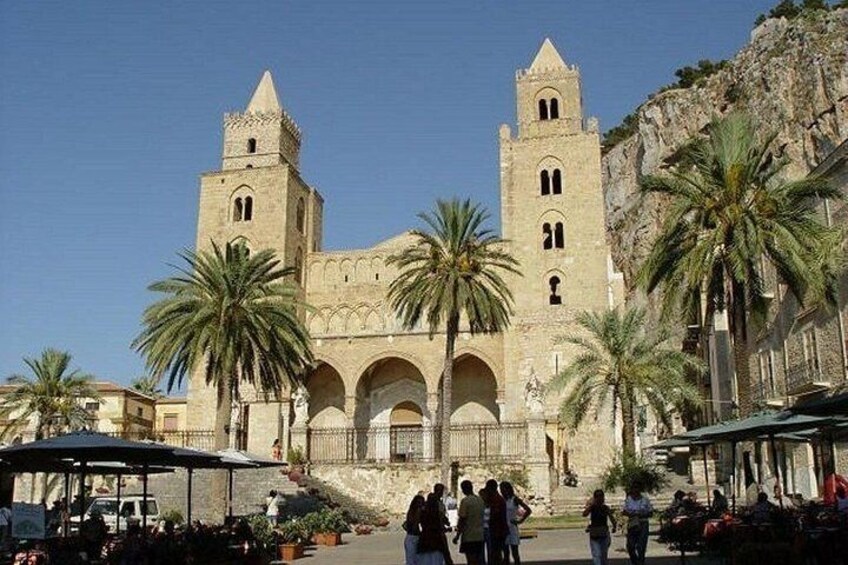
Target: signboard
[28,521]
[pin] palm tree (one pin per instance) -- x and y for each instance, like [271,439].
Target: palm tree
[450,271]
[727,212]
[229,314]
[620,362]
[54,395]
[147,385]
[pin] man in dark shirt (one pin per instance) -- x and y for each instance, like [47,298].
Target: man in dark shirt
[498,526]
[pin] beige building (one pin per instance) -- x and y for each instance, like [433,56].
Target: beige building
[370,401]
[799,353]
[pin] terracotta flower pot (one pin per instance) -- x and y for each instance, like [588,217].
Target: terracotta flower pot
[290,551]
[328,538]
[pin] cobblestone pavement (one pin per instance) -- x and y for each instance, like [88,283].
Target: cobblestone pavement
[570,547]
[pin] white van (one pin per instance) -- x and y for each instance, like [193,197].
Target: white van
[131,510]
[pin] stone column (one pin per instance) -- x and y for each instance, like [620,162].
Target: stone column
[285,440]
[537,458]
[429,438]
[350,411]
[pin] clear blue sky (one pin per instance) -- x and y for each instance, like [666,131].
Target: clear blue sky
[110,110]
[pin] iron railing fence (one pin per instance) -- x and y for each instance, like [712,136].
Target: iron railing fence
[809,375]
[417,444]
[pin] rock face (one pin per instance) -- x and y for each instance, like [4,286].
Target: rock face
[793,76]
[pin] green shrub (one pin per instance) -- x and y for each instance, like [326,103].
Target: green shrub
[293,531]
[173,515]
[325,521]
[296,456]
[628,470]
[262,530]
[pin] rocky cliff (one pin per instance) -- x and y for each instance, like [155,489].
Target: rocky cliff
[793,76]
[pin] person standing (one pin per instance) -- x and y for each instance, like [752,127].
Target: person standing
[277,450]
[272,507]
[513,519]
[498,526]
[439,491]
[600,516]
[638,510]
[487,540]
[432,543]
[470,525]
[412,527]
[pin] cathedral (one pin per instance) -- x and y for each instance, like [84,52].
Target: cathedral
[368,409]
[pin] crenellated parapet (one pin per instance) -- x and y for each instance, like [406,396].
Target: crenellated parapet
[242,120]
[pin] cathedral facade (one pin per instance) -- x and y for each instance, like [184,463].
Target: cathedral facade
[371,398]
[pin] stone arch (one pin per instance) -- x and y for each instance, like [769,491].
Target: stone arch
[377,268]
[331,273]
[337,322]
[475,391]
[374,322]
[317,325]
[237,210]
[413,360]
[495,366]
[326,397]
[546,94]
[316,275]
[346,271]
[355,322]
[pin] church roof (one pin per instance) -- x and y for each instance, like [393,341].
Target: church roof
[265,97]
[547,58]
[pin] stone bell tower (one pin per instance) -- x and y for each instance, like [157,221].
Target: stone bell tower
[553,215]
[259,198]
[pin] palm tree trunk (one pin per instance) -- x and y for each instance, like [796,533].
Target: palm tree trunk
[447,396]
[628,424]
[222,441]
[739,333]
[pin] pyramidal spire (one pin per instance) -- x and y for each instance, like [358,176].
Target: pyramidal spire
[265,96]
[547,58]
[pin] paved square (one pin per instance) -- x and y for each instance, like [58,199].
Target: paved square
[551,547]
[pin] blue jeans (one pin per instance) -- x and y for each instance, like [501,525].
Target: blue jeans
[600,549]
[637,543]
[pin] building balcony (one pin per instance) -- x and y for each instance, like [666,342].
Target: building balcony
[807,378]
[764,395]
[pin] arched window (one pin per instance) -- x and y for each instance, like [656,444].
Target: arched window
[238,210]
[298,266]
[554,298]
[554,109]
[251,145]
[248,208]
[557,182]
[300,221]
[559,236]
[545,179]
[543,109]
[547,236]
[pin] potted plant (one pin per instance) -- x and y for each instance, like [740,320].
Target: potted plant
[296,461]
[291,535]
[329,526]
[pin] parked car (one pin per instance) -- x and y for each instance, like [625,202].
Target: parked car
[130,512]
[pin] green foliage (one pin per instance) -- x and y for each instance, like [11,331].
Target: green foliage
[690,76]
[628,470]
[727,210]
[629,126]
[262,530]
[296,456]
[618,360]
[147,385]
[325,521]
[293,531]
[230,312]
[450,271]
[789,10]
[173,515]
[54,395]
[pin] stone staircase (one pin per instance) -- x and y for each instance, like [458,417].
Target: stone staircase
[572,500]
[355,511]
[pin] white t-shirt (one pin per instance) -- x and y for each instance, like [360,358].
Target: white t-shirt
[273,506]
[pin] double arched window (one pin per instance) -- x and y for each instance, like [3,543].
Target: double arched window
[550,182]
[553,237]
[243,209]
[548,109]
